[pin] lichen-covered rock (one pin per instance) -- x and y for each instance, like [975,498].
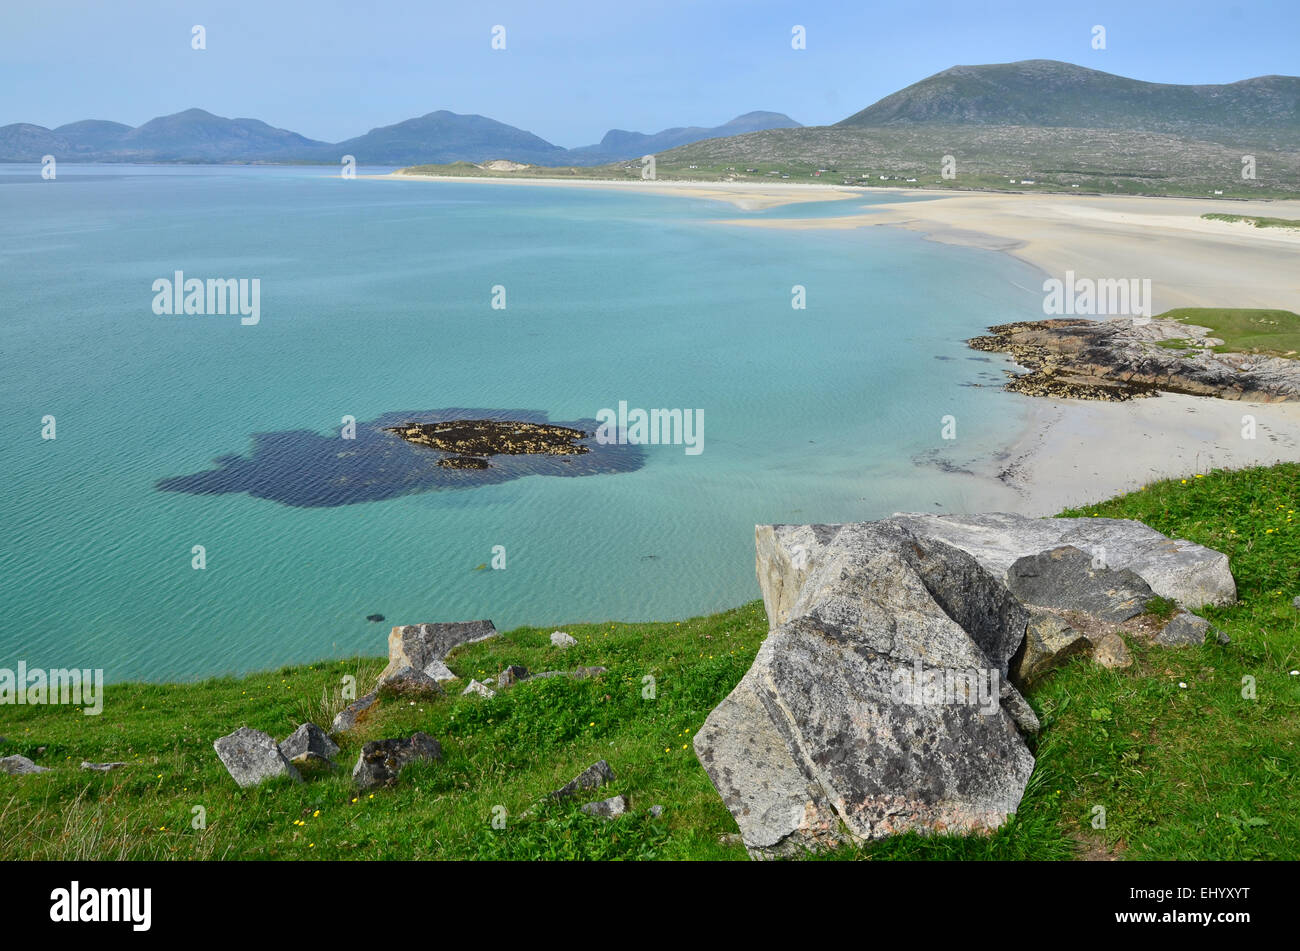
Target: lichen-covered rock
[20,766]
[871,709]
[309,743]
[593,777]
[1182,571]
[382,761]
[1066,578]
[425,646]
[252,757]
[353,713]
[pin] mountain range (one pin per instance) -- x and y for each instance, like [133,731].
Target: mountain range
[199,136]
[1033,97]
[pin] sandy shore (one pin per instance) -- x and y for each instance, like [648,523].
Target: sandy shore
[1074,452]
[747,196]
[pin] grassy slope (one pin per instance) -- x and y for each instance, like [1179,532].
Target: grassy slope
[1275,332]
[1195,772]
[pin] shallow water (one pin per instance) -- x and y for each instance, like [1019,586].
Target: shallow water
[376,300]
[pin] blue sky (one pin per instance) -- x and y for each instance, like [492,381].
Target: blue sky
[571,70]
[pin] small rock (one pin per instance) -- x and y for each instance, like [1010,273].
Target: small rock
[482,689]
[582,673]
[20,766]
[382,761]
[410,683]
[1295,603]
[656,812]
[353,713]
[562,640]
[512,675]
[426,646]
[593,777]
[1221,636]
[252,757]
[102,767]
[309,743]
[607,808]
[1111,652]
[1049,643]
[375,618]
[1185,629]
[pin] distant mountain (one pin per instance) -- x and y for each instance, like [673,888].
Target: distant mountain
[190,136]
[1047,93]
[441,137]
[437,138]
[619,145]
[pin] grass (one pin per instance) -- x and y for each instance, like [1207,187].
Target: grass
[1272,332]
[1194,772]
[1257,221]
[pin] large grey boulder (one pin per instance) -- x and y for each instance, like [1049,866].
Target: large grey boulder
[425,646]
[20,766]
[309,743]
[870,709]
[252,757]
[382,761]
[1182,571]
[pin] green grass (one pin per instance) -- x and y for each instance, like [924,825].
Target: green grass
[1273,332]
[1257,221]
[1183,773]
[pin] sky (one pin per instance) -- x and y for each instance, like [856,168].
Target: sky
[570,71]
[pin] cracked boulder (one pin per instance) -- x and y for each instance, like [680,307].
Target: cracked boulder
[252,757]
[878,703]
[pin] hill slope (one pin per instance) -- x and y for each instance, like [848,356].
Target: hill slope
[1048,93]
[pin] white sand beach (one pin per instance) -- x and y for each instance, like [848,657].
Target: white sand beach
[1073,452]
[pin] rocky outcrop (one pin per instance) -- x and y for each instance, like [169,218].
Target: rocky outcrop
[885,697]
[424,647]
[870,709]
[252,757]
[1123,358]
[382,761]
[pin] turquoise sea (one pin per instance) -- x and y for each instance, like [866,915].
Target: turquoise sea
[376,300]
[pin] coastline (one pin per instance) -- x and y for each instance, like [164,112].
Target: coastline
[1072,452]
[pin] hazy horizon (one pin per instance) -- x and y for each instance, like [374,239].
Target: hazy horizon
[573,71]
